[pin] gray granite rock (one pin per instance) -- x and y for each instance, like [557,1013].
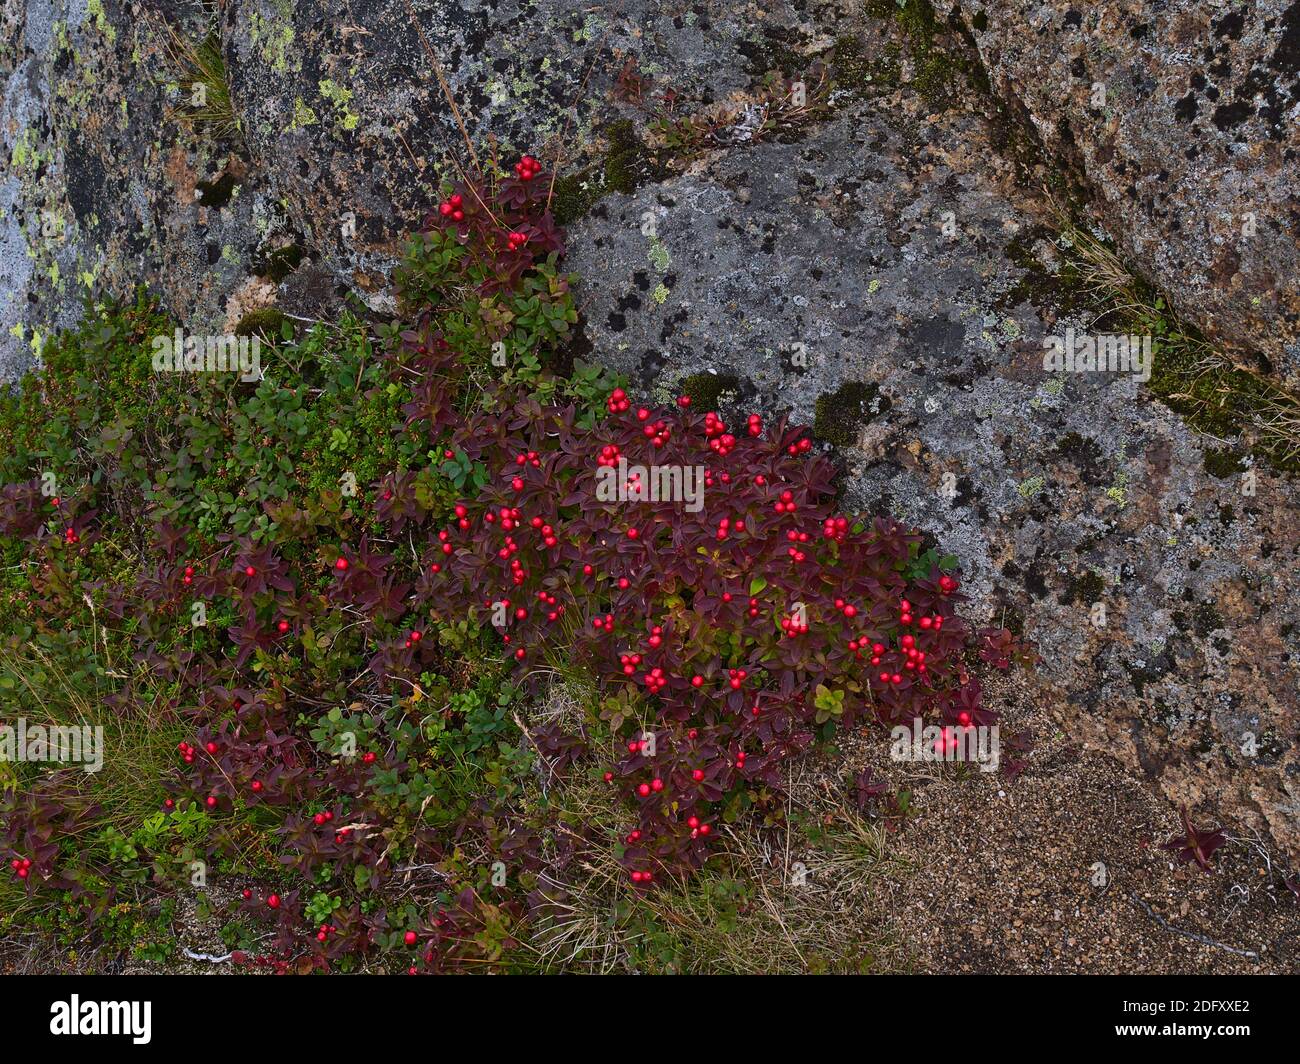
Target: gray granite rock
[1082,509]
[1183,119]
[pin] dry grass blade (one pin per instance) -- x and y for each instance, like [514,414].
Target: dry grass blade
[446,89]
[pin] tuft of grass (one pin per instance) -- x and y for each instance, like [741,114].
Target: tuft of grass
[205,87]
[1215,392]
[794,899]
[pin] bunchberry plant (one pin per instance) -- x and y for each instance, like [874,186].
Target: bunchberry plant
[338,589]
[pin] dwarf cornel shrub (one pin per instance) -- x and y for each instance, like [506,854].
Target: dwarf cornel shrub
[314,609]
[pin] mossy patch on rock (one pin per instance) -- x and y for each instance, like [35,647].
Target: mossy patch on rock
[705,389]
[266,322]
[1086,588]
[277,264]
[626,166]
[1222,463]
[841,415]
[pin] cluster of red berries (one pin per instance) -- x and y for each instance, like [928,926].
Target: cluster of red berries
[609,455]
[618,402]
[794,625]
[516,240]
[22,866]
[785,504]
[527,168]
[187,751]
[658,434]
[187,577]
[655,680]
[719,438]
[451,208]
[802,446]
[70,535]
[835,528]
[725,527]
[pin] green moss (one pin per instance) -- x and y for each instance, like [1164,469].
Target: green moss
[941,75]
[266,322]
[1085,589]
[1222,463]
[626,166]
[278,264]
[855,72]
[841,415]
[704,389]
[626,159]
[1220,400]
[575,195]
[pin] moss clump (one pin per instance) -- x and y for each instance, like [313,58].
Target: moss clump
[941,75]
[1220,400]
[626,161]
[1222,463]
[855,72]
[278,264]
[1085,589]
[705,389]
[266,322]
[840,415]
[575,195]
[626,166]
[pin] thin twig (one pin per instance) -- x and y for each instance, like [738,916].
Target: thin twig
[1188,934]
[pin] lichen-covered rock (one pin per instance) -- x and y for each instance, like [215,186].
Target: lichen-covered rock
[871,262]
[344,110]
[872,279]
[1183,117]
[102,190]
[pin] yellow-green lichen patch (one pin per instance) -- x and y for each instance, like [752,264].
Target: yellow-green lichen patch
[341,98]
[1031,487]
[658,254]
[303,116]
[272,38]
[95,8]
